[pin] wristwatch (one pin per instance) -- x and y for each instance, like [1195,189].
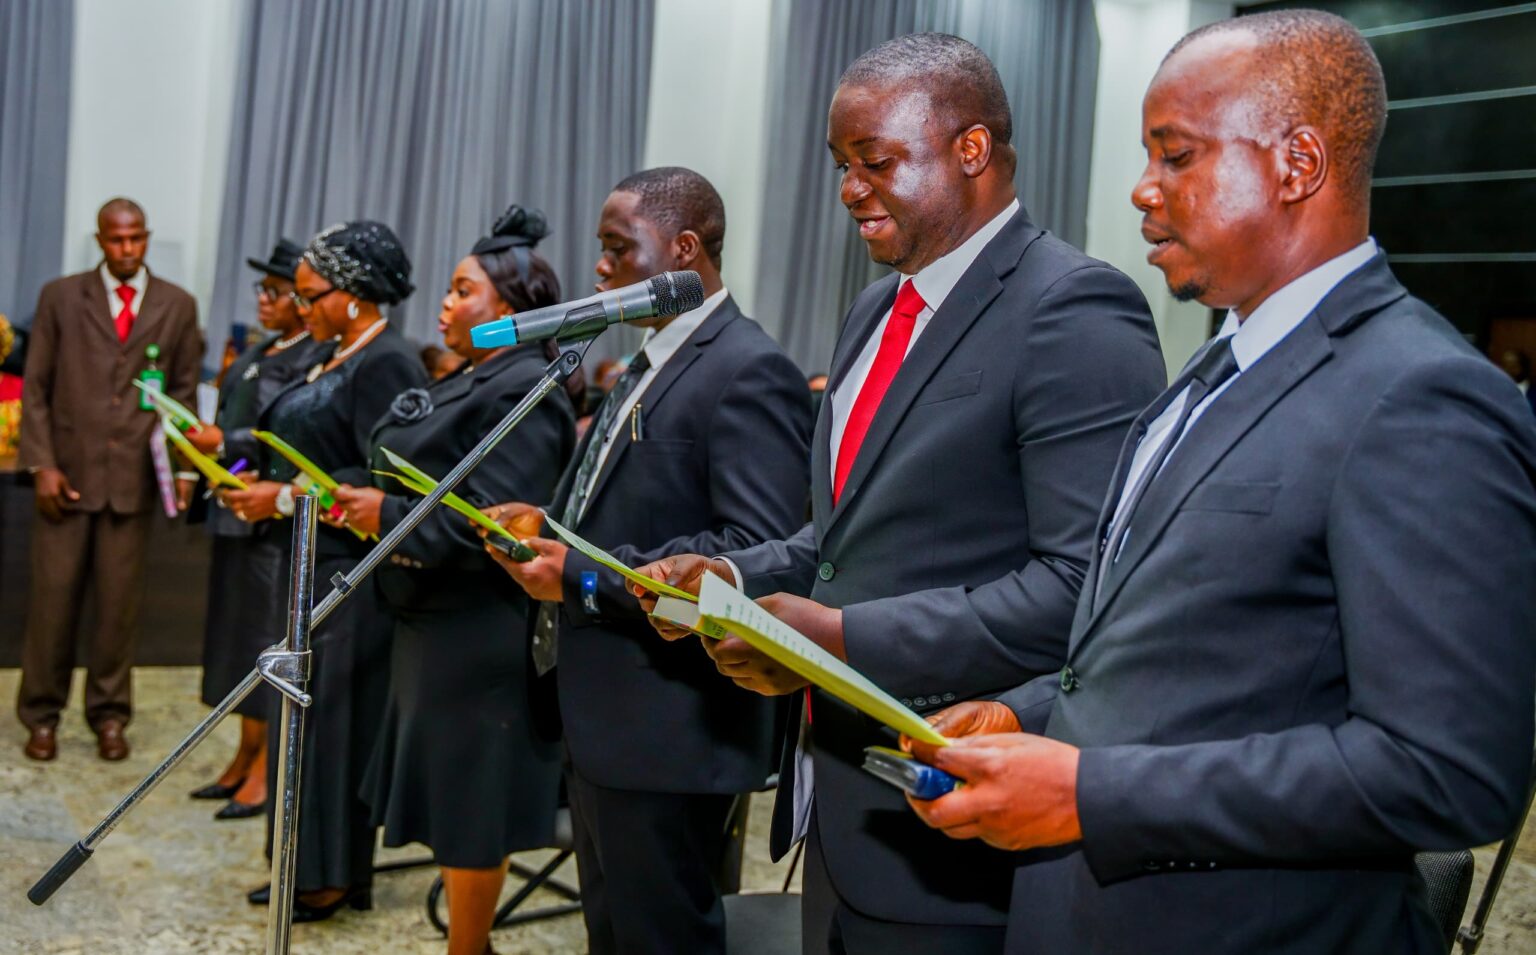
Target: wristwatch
[284,501]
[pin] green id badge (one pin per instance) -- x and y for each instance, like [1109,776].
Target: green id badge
[152,377]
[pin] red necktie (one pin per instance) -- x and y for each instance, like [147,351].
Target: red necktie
[125,317]
[893,348]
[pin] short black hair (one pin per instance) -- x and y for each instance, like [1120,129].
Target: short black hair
[682,200]
[1318,70]
[954,72]
[120,204]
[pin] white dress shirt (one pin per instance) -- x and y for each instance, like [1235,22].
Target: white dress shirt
[658,346]
[1252,338]
[934,284]
[138,283]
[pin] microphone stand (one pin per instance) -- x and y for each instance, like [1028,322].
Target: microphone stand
[286,665]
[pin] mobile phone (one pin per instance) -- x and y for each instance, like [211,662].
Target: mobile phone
[901,770]
[513,548]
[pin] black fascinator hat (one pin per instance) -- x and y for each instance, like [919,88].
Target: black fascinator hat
[518,229]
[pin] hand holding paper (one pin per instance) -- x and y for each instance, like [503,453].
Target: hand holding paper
[210,469]
[686,573]
[725,607]
[606,559]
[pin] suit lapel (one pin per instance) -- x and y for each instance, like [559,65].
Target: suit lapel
[96,305]
[1360,295]
[980,284]
[1209,439]
[147,324]
[860,327]
[668,375]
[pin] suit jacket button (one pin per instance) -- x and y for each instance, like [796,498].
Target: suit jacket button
[1152,866]
[1069,681]
[906,702]
[826,571]
[949,698]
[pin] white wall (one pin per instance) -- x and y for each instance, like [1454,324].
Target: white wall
[1133,37]
[149,119]
[708,111]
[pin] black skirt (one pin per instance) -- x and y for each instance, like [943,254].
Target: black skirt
[247,576]
[349,680]
[460,765]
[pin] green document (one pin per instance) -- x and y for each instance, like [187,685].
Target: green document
[608,560]
[325,483]
[423,483]
[181,416]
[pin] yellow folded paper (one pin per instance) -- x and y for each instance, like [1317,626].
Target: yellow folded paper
[423,483]
[215,472]
[723,610]
[724,606]
[609,561]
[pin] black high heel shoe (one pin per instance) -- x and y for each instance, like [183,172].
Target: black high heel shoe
[235,809]
[359,899]
[261,896]
[215,791]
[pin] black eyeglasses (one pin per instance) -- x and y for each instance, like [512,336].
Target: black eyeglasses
[305,304]
[265,292]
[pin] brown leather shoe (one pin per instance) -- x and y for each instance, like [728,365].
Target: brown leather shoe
[42,744]
[111,744]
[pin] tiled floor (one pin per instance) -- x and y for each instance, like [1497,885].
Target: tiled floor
[172,881]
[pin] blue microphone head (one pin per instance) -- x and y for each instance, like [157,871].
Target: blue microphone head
[503,331]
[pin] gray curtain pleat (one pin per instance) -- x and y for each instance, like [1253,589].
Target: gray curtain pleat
[812,262]
[36,53]
[432,116]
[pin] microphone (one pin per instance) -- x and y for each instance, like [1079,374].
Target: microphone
[670,293]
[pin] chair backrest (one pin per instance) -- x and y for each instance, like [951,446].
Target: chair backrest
[1448,880]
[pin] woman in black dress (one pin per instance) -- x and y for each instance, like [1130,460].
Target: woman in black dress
[460,765]
[348,275]
[236,589]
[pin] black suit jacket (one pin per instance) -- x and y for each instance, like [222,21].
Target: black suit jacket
[958,546]
[722,465]
[443,564]
[1315,658]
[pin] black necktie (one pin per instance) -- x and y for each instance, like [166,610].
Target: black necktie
[545,627]
[602,422]
[1212,369]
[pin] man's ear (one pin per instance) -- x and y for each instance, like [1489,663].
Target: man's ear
[1306,164]
[975,149]
[686,249]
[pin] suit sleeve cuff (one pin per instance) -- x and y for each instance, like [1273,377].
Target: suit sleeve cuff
[1108,813]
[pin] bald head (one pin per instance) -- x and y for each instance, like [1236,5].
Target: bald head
[119,207]
[958,79]
[1312,69]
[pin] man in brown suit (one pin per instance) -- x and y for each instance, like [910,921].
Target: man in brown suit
[85,440]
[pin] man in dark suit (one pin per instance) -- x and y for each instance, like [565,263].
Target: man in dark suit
[976,403]
[1305,649]
[85,441]
[658,744]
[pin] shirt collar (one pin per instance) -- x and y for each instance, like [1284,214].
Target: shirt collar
[138,283]
[935,282]
[661,345]
[1278,315]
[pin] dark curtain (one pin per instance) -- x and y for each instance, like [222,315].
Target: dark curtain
[36,52]
[812,261]
[431,116]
